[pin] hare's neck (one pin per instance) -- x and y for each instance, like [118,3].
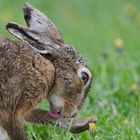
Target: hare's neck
[46,67]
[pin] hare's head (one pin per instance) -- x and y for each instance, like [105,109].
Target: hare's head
[72,77]
[72,81]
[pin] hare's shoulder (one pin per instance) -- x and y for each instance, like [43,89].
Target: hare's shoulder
[17,59]
[24,73]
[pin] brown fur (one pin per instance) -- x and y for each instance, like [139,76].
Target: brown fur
[52,71]
[24,80]
[24,75]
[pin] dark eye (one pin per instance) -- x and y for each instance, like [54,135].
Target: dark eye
[84,77]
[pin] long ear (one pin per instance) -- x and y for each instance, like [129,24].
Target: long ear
[32,38]
[37,21]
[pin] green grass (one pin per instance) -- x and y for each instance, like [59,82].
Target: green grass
[93,26]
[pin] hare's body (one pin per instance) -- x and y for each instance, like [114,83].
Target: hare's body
[25,77]
[40,66]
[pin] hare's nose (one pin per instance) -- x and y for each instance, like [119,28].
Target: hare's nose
[55,109]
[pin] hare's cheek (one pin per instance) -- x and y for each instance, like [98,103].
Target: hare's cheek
[70,109]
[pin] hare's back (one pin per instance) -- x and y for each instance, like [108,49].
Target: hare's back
[14,58]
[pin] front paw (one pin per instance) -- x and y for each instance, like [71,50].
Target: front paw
[75,125]
[81,125]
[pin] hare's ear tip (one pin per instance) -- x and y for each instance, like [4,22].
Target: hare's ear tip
[11,25]
[27,12]
[27,6]
[14,28]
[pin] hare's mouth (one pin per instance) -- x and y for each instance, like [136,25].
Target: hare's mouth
[54,115]
[57,115]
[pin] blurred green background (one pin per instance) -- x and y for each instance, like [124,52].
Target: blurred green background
[107,33]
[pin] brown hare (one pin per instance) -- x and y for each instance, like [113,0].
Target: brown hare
[39,67]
